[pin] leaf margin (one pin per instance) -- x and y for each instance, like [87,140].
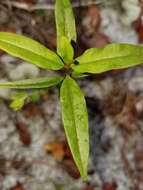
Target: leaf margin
[35,83]
[102,65]
[82,163]
[65,21]
[27,49]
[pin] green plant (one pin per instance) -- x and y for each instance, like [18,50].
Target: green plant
[93,61]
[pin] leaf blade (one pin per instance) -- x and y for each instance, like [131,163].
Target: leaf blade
[66,50]
[113,56]
[43,82]
[65,21]
[29,50]
[18,100]
[75,119]
[17,104]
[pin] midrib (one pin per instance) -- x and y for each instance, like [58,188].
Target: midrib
[70,100]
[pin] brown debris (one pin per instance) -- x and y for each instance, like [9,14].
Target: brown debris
[57,149]
[98,40]
[91,35]
[88,187]
[27,1]
[71,168]
[94,15]
[18,187]
[115,101]
[109,186]
[127,118]
[24,134]
[138,157]
[32,110]
[138,25]
[61,152]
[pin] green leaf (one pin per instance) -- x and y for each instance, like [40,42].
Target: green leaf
[75,119]
[34,96]
[65,22]
[66,50]
[113,56]
[19,95]
[29,50]
[37,83]
[17,104]
[18,100]
[79,75]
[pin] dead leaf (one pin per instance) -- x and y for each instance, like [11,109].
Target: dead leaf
[24,134]
[61,152]
[71,168]
[138,25]
[109,186]
[138,156]
[94,14]
[128,116]
[31,110]
[45,97]
[57,149]
[88,187]
[98,40]
[18,187]
[115,100]
[27,1]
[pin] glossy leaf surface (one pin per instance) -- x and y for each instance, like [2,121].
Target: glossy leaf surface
[29,50]
[37,83]
[65,22]
[113,56]
[75,119]
[66,50]
[18,100]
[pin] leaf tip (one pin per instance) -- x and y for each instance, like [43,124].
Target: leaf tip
[84,177]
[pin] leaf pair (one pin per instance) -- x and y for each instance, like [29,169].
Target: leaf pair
[74,111]
[37,54]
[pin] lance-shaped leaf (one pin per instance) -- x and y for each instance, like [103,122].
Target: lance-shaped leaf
[17,104]
[75,119]
[66,50]
[65,22]
[113,56]
[37,83]
[29,50]
[18,100]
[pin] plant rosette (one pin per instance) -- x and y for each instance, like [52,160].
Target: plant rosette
[92,61]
